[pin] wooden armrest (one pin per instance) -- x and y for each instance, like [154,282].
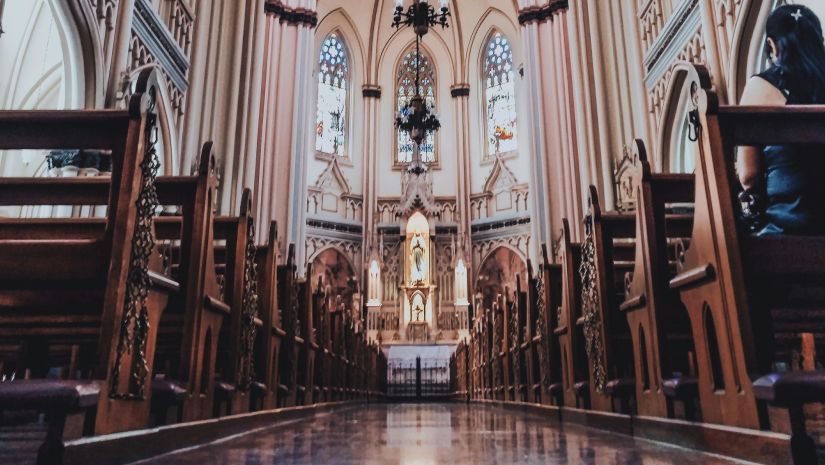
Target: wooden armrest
[217,304]
[792,388]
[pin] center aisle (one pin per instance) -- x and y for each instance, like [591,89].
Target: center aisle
[432,434]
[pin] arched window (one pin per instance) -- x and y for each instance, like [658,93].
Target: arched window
[499,96]
[406,91]
[333,87]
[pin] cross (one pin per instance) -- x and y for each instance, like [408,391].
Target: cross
[797,15]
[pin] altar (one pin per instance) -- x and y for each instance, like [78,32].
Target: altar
[430,305]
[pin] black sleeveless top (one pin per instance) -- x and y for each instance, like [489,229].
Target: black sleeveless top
[793,177]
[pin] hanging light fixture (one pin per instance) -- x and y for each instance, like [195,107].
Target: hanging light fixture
[421,16]
[418,117]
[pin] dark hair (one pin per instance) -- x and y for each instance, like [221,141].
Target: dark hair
[797,33]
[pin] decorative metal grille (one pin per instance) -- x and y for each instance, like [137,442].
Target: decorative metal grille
[250,310]
[590,309]
[134,324]
[541,330]
[515,348]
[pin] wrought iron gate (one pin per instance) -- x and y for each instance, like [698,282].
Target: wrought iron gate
[419,379]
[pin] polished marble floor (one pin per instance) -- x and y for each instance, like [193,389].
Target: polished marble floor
[432,434]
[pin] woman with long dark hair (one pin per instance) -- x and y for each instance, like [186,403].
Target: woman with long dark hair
[790,178]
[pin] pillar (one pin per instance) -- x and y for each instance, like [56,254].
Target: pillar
[556,173]
[285,118]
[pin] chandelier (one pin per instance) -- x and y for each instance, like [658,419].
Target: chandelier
[421,16]
[417,117]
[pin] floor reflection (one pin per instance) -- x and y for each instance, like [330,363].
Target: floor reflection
[432,434]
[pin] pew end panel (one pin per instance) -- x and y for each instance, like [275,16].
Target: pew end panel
[573,356]
[269,351]
[95,280]
[607,255]
[662,347]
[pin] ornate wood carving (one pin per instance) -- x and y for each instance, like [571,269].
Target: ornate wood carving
[250,310]
[515,342]
[541,329]
[498,336]
[134,325]
[590,309]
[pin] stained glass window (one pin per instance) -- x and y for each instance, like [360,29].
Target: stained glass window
[500,96]
[333,84]
[406,91]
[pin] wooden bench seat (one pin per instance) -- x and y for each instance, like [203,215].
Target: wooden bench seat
[68,288]
[608,236]
[191,325]
[268,351]
[793,390]
[547,296]
[659,326]
[69,407]
[736,287]
[571,342]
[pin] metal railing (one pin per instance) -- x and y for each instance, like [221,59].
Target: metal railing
[418,379]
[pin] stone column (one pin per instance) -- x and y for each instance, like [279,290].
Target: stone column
[372,104]
[461,99]
[555,154]
[225,90]
[120,52]
[285,118]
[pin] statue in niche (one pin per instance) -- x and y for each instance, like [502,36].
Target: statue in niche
[418,250]
[418,312]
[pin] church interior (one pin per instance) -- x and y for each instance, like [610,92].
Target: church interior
[404,232]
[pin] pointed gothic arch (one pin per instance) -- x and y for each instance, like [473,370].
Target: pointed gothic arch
[333,96]
[498,85]
[404,90]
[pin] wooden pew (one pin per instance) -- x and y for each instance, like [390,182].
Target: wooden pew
[475,363]
[190,328]
[288,300]
[731,283]
[338,326]
[90,283]
[529,314]
[546,295]
[325,358]
[499,358]
[573,357]
[268,388]
[491,375]
[348,354]
[607,256]
[305,341]
[519,342]
[236,358]
[662,343]
[480,326]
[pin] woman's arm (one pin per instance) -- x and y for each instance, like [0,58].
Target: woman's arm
[748,161]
